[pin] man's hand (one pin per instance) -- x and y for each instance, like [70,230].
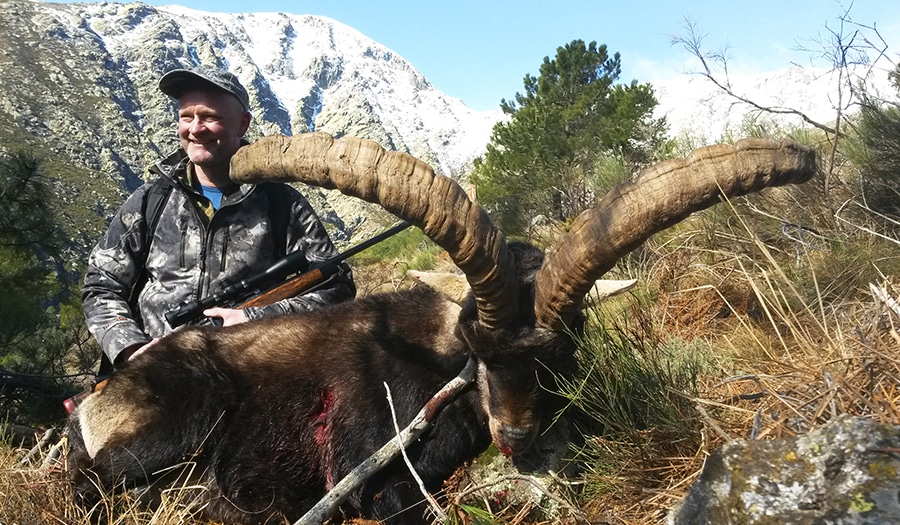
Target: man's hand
[229,316]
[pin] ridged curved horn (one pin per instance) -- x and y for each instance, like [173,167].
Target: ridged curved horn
[659,197]
[404,186]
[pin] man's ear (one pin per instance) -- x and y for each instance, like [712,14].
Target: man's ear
[245,122]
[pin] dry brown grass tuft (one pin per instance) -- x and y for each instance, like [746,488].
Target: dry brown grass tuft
[29,495]
[39,494]
[796,339]
[791,336]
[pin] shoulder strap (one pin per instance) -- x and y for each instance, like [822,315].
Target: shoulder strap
[154,200]
[279,215]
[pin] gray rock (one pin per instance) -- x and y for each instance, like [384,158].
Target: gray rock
[845,473]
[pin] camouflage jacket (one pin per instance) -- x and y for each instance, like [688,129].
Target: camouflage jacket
[191,256]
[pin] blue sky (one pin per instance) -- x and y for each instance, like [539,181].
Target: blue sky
[480,51]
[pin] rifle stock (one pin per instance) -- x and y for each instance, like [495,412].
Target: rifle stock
[291,288]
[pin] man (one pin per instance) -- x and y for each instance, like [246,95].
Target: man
[207,233]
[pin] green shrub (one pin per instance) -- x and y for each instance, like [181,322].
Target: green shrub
[876,152]
[411,246]
[632,396]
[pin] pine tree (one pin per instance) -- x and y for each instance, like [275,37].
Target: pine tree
[570,120]
[42,335]
[26,233]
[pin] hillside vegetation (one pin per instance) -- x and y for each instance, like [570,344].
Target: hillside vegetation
[763,317]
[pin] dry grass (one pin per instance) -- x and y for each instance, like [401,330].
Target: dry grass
[785,338]
[789,351]
[32,496]
[38,494]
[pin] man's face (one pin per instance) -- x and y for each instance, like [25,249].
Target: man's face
[211,123]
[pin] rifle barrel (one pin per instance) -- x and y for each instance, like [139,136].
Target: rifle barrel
[353,250]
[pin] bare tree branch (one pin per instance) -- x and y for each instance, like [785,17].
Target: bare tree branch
[435,508]
[692,43]
[422,422]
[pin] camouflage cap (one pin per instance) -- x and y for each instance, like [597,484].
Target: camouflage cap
[174,82]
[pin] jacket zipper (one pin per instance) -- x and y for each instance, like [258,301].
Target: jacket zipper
[182,256]
[225,241]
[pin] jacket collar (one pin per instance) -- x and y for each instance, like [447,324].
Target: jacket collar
[174,167]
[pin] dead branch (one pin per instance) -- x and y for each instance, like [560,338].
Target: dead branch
[50,435]
[329,504]
[692,43]
[881,295]
[435,508]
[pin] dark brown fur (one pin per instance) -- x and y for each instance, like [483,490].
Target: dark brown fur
[273,413]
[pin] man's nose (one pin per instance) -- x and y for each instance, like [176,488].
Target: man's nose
[196,126]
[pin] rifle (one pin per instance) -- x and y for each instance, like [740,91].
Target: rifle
[278,272]
[275,281]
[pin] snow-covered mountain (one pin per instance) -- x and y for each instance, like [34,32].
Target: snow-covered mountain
[78,84]
[698,109]
[304,73]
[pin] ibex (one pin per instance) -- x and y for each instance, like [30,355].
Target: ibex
[272,414]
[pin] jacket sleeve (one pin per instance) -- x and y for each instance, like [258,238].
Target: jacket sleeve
[110,278]
[306,232]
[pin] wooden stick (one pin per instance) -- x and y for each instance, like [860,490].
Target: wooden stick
[435,508]
[51,434]
[422,422]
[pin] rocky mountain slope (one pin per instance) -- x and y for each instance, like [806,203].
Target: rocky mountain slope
[78,84]
[79,87]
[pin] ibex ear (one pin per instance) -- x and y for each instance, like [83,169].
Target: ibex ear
[604,289]
[452,285]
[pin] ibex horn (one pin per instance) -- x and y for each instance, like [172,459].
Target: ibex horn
[404,186]
[659,197]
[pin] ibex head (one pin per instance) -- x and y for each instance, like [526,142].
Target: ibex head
[523,307]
